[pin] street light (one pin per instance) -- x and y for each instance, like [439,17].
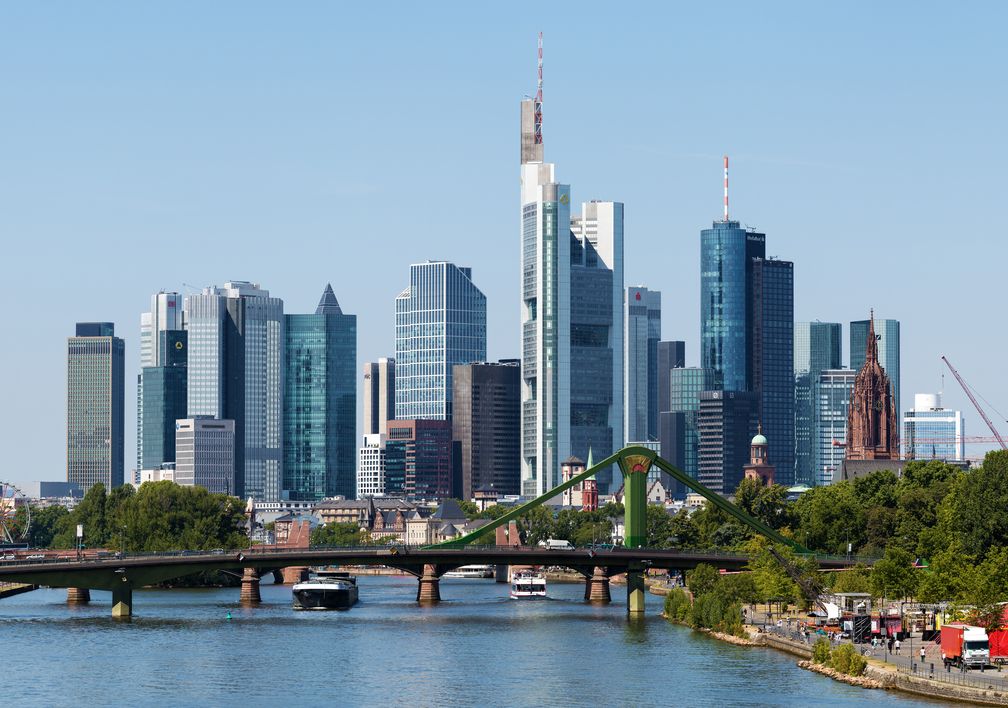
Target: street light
[122,543]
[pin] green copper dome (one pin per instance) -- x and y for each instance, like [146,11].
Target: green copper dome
[760,439]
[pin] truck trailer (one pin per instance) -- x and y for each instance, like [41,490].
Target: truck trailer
[964,646]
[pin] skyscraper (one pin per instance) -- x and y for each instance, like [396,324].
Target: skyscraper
[440,322]
[96,390]
[671,355]
[235,371]
[680,433]
[572,323]
[486,426]
[320,402]
[164,399]
[724,419]
[418,459]
[831,397]
[817,347]
[371,466]
[642,328]
[931,432]
[205,449]
[379,395]
[165,315]
[887,337]
[773,361]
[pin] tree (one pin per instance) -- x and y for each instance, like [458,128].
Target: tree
[337,534]
[973,509]
[468,508]
[659,526]
[894,574]
[536,525]
[702,579]
[856,579]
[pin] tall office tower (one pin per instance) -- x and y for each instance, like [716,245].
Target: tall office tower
[872,420]
[680,434]
[166,315]
[572,326]
[773,361]
[642,327]
[418,460]
[371,466]
[887,337]
[96,391]
[235,371]
[205,450]
[164,399]
[831,395]
[320,403]
[440,322]
[931,432]
[724,419]
[379,395]
[486,425]
[671,355]
[816,348]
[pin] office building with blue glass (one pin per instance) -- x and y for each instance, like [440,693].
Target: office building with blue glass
[164,399]
[680,434]
[817,347]
[931,432]
[440,322]
[831,397]
[320,403]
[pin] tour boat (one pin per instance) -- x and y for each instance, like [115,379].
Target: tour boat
[471,571]
[330,591]
[528,583]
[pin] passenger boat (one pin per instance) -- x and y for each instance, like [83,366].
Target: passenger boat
[528,583]
[471,571]
[326,591]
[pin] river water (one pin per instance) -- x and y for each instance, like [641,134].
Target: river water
[476,648]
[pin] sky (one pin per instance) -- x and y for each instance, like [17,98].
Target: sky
[149,146]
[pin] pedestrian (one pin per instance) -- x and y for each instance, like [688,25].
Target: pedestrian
[897,647]
[922,655]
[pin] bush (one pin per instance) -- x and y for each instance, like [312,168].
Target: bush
[846,660]
[821,651]
[677,605]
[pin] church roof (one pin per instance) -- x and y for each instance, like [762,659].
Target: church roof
[328,305]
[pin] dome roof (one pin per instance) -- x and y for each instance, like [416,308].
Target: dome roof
[760,439]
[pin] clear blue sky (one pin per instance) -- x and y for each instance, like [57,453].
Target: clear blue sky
[147,145]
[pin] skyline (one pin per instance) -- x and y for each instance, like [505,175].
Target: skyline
[114,182]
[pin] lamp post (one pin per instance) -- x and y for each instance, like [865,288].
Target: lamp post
[122,542]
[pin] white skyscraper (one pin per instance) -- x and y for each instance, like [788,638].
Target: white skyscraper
[235,371]
[371,466]
[166,315]
[931,432]
[572,322]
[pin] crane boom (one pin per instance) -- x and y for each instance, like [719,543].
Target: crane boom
[974,401]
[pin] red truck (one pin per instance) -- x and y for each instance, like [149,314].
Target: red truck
[964,645]
[998,641]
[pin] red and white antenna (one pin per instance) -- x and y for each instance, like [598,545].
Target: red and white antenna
[539,99]
[726,188]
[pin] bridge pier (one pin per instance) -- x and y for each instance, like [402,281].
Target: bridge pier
[278,578]
[122,601]
[597,588]
[429,586]
[635,592]
[295,574]
[250,587]
[78,596]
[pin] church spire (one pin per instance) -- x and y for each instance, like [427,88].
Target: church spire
[871,346]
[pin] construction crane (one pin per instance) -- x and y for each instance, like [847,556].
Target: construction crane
[973,400]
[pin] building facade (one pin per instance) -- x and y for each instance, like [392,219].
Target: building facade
[817,347]
[680,433]
[320,402]
[419,461]
[205,454]
[379,395]
[164,399]
[371,466]
[235,372]
[440,322]
[831,397]
[96,390]
[166,315]
[725,420]
[887,338]
[872,428]
[486,426]
[642,332]
[772,366]
[671,355]
[931,432]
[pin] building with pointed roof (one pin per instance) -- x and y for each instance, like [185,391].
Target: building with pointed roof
[872,420]
[320,402]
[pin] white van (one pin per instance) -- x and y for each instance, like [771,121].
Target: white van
[556,544]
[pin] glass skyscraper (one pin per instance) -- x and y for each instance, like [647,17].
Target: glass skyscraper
[888,334]
[235,371]
[440,322]
[164,399]
[165,315]
[727,253]
[680,435]
[931,432]
[96,402]
[817,347]
[320,402]
[642,328]
[831,397]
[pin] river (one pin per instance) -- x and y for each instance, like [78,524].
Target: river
[476,648]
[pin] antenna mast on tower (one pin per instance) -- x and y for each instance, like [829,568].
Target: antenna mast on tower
[726,188]
[538,98]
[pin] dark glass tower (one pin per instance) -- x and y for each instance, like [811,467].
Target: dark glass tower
[164,399]
[320,403]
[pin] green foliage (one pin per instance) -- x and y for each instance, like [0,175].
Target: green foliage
[469,508]
[856,579]
[768,504]
[845,659]
[677,605]
[894,574]
[45,524]
[338,534]
[702,579]
[659,527]
[821,651]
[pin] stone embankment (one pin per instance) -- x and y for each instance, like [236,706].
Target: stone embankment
[862,681]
